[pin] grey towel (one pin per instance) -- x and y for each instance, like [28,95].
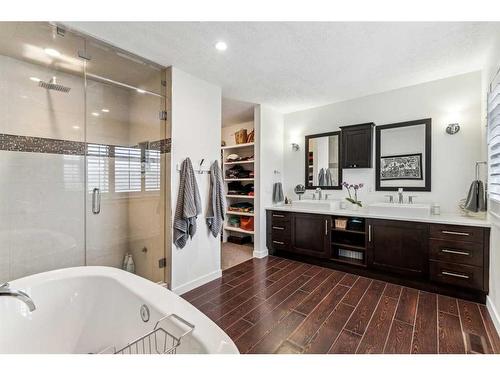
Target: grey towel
[476,200]
[278,193]
[188,205]
[216,200]
[481,197]
[321,177]
[328,178]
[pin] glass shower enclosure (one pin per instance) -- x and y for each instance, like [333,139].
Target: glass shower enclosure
[84,154]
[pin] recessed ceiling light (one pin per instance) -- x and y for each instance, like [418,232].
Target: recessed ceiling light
[95,114]
[52,52]
[105,110]
[76,127]
[140,91]
[221,46]
[35,79]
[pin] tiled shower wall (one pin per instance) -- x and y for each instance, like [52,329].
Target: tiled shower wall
[41,194]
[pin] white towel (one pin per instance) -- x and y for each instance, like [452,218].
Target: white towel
[216,200]
[188,205]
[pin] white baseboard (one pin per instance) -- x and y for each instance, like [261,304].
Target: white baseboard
[181,289]
[495,316]
[260,254]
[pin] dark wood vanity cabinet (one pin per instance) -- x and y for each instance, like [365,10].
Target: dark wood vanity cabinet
[356,145]
[459,256]
[310,234]
[448,259]
[398,246]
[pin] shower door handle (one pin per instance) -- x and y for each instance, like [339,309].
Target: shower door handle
[96,201]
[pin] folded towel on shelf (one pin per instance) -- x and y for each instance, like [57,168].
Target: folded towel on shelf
[278,193]
[216,200]
[188,205]
[241,207]
[237,188]
[238,172]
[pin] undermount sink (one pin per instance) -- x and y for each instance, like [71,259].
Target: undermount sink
[400,209]
[316,204]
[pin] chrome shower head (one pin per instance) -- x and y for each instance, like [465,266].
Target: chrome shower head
[53,85]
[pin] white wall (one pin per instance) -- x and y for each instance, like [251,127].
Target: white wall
[269,132]
[453,157]
[196,119]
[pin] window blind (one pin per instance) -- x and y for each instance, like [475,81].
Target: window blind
[494,141]
[152,182]
[127,169]
[98,167]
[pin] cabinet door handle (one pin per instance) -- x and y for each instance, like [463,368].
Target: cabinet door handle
[455,252]
[369,233]
[276,215]
[326,227]
[459,275]
[455,233]
[279,228]
[279,242]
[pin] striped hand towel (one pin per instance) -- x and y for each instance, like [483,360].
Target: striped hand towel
[188,205]
[216,200]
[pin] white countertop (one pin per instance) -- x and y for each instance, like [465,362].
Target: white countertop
[452,219]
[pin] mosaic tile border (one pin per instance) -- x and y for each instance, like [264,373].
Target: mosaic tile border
[21,143]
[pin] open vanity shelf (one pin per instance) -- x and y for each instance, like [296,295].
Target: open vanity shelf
[348,245]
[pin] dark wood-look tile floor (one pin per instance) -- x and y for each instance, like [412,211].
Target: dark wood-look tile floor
[276,305]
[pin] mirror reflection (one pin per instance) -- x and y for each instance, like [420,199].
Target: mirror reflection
[322,161]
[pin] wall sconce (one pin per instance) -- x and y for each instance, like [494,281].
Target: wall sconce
[453,128]
[295,147]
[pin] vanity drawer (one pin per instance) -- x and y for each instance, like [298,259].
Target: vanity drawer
[279,217]
[457,233]
[456,252]
[280,244]
[280,230]
[456,274]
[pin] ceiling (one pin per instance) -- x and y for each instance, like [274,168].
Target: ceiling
[297,65]
[236,112]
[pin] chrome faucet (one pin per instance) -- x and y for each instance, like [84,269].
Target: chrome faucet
[318,190]
[400,195]
[5,291]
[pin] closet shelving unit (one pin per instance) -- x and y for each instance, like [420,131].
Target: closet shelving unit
[243,150]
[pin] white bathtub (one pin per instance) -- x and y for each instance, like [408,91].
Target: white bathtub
[89,309]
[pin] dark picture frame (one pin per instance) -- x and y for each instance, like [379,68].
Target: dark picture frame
[402,159]
[427,168]
[306,164]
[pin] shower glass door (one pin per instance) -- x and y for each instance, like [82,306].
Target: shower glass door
[42,149]
[125,162]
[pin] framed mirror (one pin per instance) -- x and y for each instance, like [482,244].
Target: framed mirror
[403,156]
[322,164]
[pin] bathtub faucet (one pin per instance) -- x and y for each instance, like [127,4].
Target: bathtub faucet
[5,291]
